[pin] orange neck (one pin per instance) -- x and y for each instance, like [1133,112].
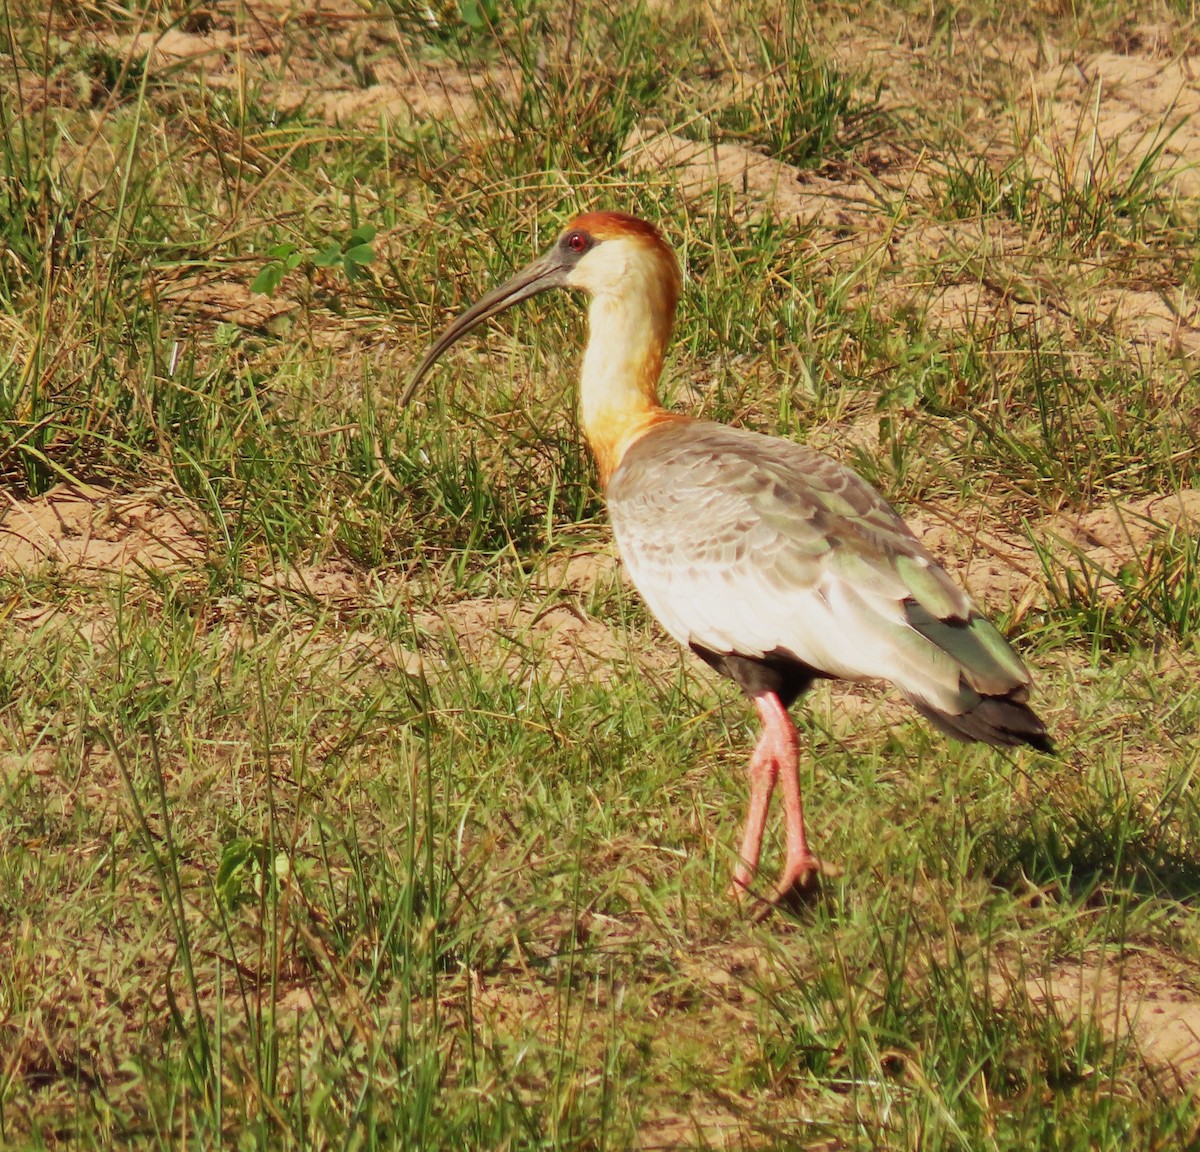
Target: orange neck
[618,389]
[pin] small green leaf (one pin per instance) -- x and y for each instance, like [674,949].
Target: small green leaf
[268,279]
[329,255]
[363,234]
[233,856]
[360,254]
[236,855]
[281,251]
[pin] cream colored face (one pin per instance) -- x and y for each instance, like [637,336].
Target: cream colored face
[608,267]
[622,266]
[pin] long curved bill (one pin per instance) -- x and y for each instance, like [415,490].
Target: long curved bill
[544,273]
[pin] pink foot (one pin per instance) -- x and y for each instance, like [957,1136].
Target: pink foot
[797,884]
[802,877]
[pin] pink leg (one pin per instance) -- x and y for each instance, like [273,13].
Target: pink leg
[777,751]
[799,864]
[762,772]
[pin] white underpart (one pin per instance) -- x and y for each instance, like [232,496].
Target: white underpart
[830,626]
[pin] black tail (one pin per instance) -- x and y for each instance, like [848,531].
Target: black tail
[997,720]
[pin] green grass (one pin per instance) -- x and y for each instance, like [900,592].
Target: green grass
[364,824]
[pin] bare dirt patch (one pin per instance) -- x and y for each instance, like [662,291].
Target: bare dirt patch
[1105,545]
[93,532]
[582,571]
[996,565]
[1120,532]
[162,49]
[1107,116]
[852,211]
[1001,566]
[1132,996]
[393,87]
[547,634]
[416,95]
[556,639]
[332,583]
[969,275]
[1168,319]
[216,299]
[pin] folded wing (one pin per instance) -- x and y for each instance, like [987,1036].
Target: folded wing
[750,545]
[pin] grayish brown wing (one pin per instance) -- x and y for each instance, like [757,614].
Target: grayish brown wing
[747,544]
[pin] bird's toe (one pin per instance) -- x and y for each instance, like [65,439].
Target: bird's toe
[799,883]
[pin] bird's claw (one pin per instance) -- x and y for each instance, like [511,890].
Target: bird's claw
[799,882]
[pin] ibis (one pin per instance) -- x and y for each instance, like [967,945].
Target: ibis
[773,563]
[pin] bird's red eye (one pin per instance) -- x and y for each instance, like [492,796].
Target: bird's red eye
[577,242]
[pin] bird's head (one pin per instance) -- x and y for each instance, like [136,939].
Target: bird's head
[611,256]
